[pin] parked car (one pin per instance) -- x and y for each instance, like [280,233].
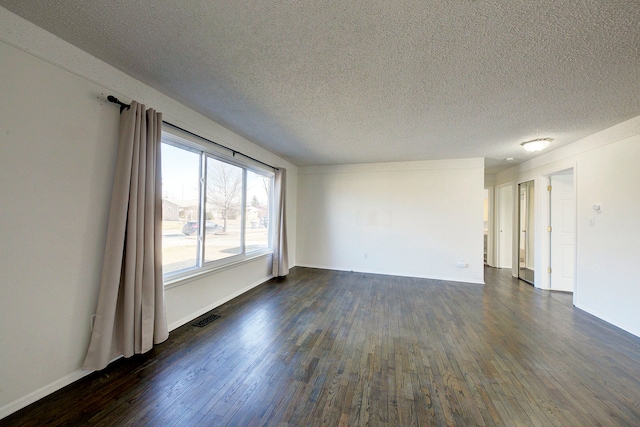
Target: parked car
[191,227]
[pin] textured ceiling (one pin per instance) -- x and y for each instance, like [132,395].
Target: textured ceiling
[333,82]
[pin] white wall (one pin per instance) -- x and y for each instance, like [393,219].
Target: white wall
[58,145]
[410,219]
[607,172]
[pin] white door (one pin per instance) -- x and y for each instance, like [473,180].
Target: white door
[563,225]
[505,226]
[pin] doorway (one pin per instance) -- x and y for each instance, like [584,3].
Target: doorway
[504,226]
[525,236]
[487,203]
[562,222]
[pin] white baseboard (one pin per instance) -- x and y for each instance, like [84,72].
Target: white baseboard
[34,396]
[189,318]
[627,328]
[392,273]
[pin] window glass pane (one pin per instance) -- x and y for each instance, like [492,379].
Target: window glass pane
[257,212]
[235,206]
[223,210]
[180,206]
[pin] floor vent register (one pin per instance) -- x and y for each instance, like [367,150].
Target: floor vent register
[205,321]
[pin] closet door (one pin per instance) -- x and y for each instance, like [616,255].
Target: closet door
[525,237]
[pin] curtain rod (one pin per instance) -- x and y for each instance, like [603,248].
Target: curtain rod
[124,106]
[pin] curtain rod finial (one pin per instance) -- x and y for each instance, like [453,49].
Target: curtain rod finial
[115,100]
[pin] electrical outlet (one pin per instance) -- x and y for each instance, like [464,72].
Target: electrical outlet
[592,221]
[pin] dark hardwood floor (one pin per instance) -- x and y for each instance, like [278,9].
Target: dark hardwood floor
[349,349]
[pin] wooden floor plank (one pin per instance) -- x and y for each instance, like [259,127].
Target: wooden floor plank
[348,349]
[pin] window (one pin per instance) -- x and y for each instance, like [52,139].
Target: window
[223,194]
[201,185]
[257,211]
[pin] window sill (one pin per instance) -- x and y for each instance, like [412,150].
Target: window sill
[190,276]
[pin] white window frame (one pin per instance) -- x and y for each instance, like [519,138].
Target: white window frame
[206,150]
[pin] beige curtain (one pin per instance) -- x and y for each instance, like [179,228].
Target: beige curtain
[130,317]
[280,254]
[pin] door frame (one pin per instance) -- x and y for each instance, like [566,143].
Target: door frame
[499,222]
[545,238]
[554,210]
[491,259]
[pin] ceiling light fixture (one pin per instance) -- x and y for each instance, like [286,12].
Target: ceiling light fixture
[536,144]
